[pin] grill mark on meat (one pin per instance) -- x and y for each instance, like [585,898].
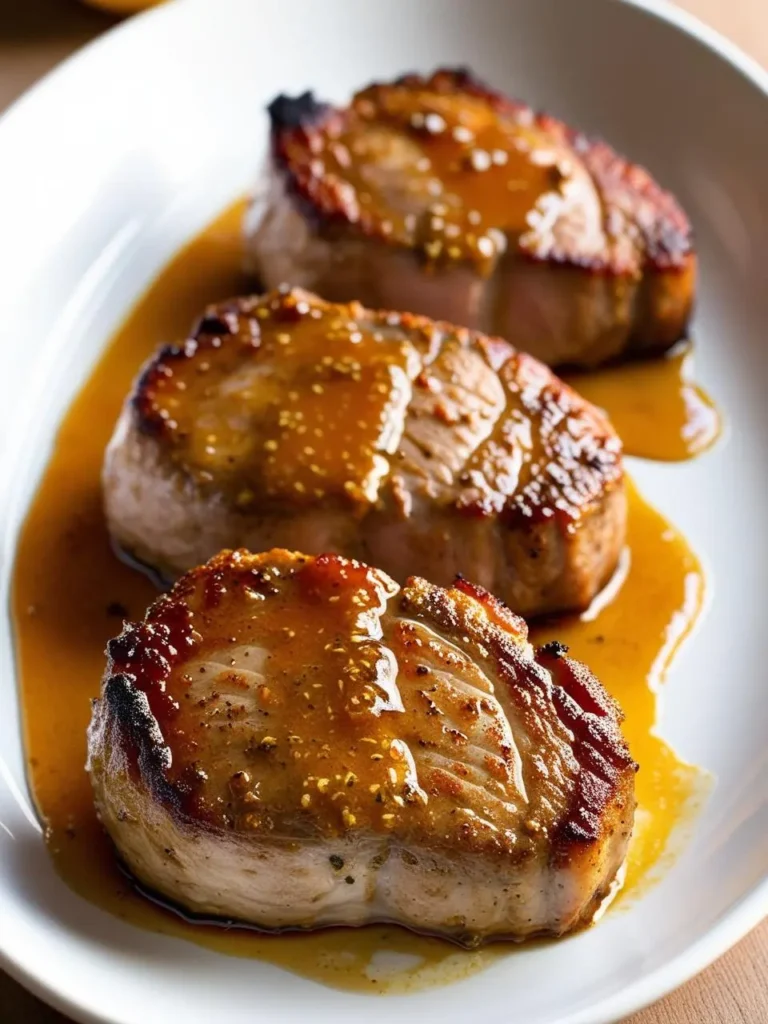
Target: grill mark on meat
[453,693]
[471,775]
[465,416]
[447,777]
[585,710]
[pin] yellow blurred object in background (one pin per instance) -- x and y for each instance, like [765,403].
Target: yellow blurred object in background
[123,6]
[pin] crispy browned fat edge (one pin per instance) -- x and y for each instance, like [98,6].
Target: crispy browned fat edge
[604,793]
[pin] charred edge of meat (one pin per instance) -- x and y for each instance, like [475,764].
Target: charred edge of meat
[630,190]
[496,609]
[598,745]
[553,649]
[663,225]
[135,731]
[140,661]
[211,330]
[288,112]
[146,414]
[459,79]
[594,719]
[304,117]
[578,682]
[218,321]
[580,701]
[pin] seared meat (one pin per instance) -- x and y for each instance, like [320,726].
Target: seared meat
[295,742]
[414,445]
[444,197]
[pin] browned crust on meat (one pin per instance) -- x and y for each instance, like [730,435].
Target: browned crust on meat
[224,320]
[604,784]
[607,768]
[664,227]
[309,119]
[134,731]
[498,613]
[136,707]
[578,466]
[306,119]
[629,193]
[138,711]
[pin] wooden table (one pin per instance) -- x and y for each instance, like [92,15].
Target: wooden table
[35,35]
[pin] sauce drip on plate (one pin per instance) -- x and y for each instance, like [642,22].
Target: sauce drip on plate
[71,593]
[656,408]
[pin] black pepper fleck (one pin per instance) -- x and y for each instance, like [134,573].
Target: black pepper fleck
[554,648]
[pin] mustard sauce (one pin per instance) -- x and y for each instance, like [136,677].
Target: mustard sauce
[659,412]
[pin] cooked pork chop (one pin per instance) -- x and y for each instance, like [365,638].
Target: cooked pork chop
[417,446]
[296,742]
[443,197]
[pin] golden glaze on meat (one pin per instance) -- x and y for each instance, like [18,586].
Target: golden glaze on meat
[421,447]
[441,196]
[297,742]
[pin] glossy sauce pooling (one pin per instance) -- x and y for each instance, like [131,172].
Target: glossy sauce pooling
[659,412]
[629,642]
[71,594]
[454,174]
[283,396]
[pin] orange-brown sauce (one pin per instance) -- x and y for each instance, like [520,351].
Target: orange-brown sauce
[659,412]
[70,594]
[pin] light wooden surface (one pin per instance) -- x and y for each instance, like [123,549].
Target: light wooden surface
[35,35]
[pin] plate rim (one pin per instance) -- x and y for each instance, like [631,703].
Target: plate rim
[752,907]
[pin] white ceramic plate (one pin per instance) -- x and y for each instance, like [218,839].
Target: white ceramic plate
[126,151]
